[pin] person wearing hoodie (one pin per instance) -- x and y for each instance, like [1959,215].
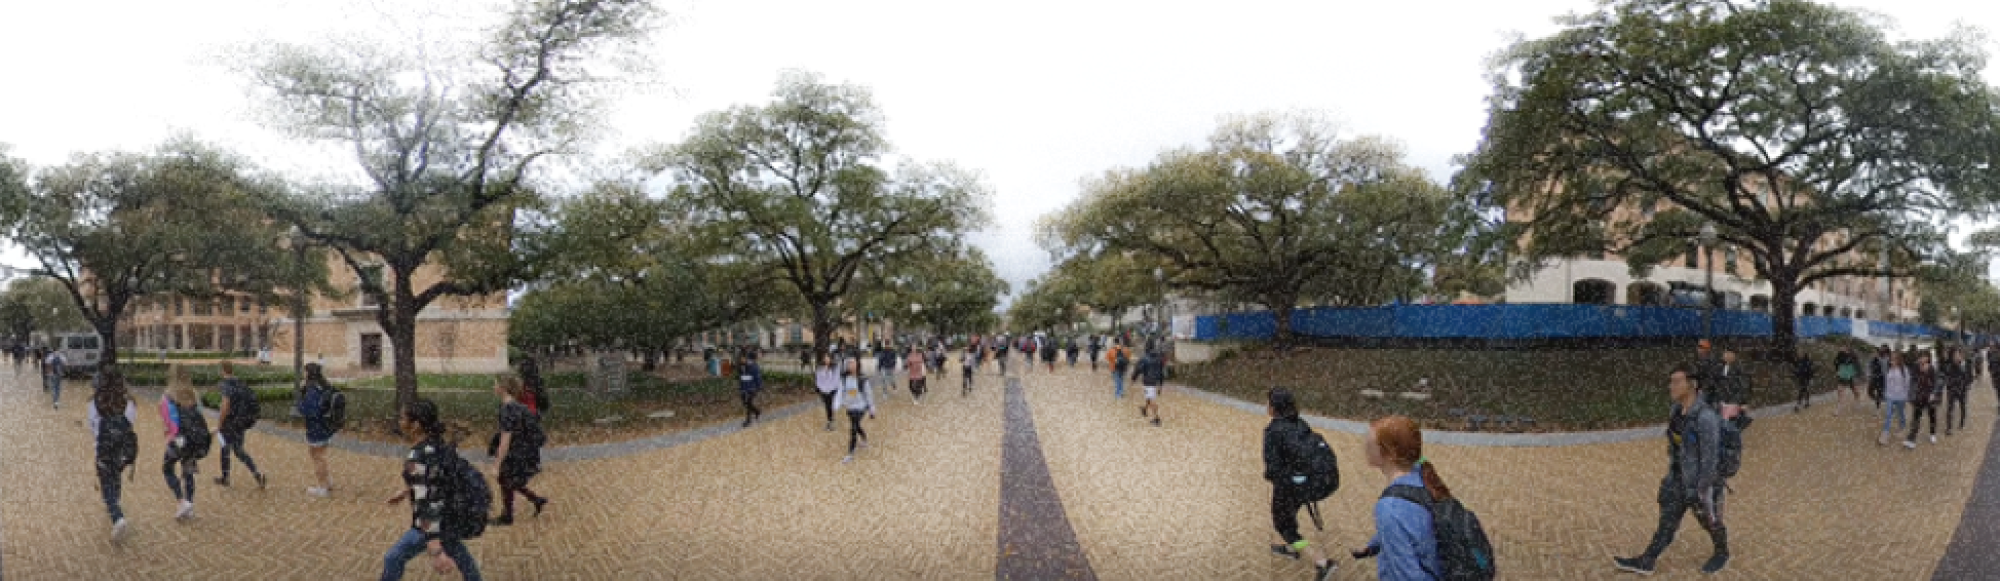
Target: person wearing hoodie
[749,381]
[827,379]
[857,398]
[1285,468]
[1925,393]
[1957,388]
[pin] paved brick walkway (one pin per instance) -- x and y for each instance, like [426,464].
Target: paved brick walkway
[1817,499]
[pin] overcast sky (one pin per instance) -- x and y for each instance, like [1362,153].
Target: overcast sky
[1035,95]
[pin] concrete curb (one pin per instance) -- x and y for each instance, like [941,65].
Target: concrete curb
[1494,439]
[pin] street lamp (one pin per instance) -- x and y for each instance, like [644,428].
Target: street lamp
[1709,295]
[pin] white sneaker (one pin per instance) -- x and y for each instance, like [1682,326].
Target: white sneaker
[186,511]
[1911,444]
[316,491]
[1933,438]
[849,458]
[118,530]
[1882,440]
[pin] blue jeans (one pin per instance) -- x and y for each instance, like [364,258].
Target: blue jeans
[1118,381]
[412,545]
[1895,412]
[107,478]
[54,386]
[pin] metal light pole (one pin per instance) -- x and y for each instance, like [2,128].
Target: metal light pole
[1160,276]
[1708,264]
[298,313]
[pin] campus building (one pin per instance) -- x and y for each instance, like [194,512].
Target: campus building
[1603,278]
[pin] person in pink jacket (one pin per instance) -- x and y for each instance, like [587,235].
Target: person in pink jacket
[915,362]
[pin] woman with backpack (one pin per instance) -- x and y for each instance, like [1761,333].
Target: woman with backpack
[857,398]
[315,404]
[187,438]
[1286,467]
[112,417]
[426,484]
[1405,544]
[517,447]
[239,414]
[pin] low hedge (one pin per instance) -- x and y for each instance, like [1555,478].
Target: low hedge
[212,399]
[154,374]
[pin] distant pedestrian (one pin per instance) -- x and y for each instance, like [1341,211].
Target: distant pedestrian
[1152,374]
[1693,482]
[1001,355]
[536,396]
[314,405]
[967,362]
[1292,486]
[1846,368]
[1049,351]
[1896,384]
[1096,347]
[1028,353]
[1993,369]
[187,438]
[1707,369]
[112,417]
[239,414]
[749,383]
[917,368]
[857,398]
[885,367]
[1803,372]
[1071,349]
[827,380]
[1121,362]
[1732,388]
[427,482]
[1878,370]
[1958,387]
[53,368]
[1925,394]
[517,447]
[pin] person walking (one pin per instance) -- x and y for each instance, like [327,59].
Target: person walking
[857,398]
[968,361]
[1096,347]
[1152,375]
[885,367]
[53,369]
[1071,349]
[314,404]
[186,437]
[426,483]
[112,416]
[749,381]
[1049,351]
[1291,489]
[1732,388]
[1993,369]
[239,414]
[826,379]
[1958,387]
[1925,393]
[1405,544]
[1878,369]
[1121,362]
[1693,482]
[1846,368]
[1000,355]
[917,368]
[1803,371]
[536,394]
[1896,380]
[517,447]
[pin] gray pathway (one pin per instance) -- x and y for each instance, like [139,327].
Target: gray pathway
[1036,541]
[1971,554]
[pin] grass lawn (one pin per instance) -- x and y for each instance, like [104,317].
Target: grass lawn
[1562,389]
[468,402]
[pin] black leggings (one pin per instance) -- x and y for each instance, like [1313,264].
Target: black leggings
[1917,418]
[826,398]
[750,404]
[854,433]
[511,484]
[1285,504]
[1805,392]
[186,477]
[232,442]
[1673,510]
[1954,409]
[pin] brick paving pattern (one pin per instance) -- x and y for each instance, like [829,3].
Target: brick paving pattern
[1817,499]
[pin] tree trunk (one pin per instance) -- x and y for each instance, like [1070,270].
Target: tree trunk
[1283,314]
[822,323]
[402,332]
[107,337]
[1784,339]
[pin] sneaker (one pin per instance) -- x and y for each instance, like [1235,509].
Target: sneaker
[317,491]
[222,481]
[849,458]
[1633,565]
[1324,571]
[746,423]
[260,480]
[186,511]
[1156,422]
[1933,438]
[118,530]
[1911,444]
[538,506]
[1883,440]
[1142,411]
[502,520]
[1285,551]
[1715,563]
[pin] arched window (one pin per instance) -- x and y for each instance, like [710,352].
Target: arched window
[1809,309]
[1760,303]
[1645,294]
[1591,291]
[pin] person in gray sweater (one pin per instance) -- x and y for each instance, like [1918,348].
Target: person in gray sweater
[1693,481]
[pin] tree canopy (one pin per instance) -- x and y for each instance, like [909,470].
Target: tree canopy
[1275,210]
[798,188]
[1798,130]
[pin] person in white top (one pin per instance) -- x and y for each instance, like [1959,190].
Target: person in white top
[857,398]
[826,377]
[1895,389]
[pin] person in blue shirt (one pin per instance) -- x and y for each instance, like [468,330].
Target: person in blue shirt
[1405,546]
[749,381]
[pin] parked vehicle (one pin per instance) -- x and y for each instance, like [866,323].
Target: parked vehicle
[79,351]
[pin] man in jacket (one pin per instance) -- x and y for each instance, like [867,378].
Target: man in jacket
[1693,481]
[1152,374]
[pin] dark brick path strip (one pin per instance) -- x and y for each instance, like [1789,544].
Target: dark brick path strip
[1035,537]
[1971,554]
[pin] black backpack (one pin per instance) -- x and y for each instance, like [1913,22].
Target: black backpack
[1124,362]
[194,432]
[468,500]
[336,408]
[1462,545]
[1321,466]
[243,406]
[1729,458]
[117,442]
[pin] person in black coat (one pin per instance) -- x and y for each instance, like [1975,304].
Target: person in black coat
[1285,469]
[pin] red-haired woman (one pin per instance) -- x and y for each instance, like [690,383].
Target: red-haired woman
[1405,545]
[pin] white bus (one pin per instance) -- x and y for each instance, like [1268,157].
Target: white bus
[79,351]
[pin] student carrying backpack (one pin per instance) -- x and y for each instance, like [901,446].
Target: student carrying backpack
[449,499]
[1460,549]
[1302,470]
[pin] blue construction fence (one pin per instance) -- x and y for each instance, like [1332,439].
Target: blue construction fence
[1535,321]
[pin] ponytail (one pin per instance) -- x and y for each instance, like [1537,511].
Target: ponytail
[1433,482]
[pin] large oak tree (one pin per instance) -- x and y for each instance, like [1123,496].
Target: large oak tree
[1799,131]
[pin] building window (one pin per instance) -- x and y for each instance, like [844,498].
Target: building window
[203,307]
[373,276]
[180,308]
[1694,257]
[243,305]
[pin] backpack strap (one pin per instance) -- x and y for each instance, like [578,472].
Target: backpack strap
[1415,494]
